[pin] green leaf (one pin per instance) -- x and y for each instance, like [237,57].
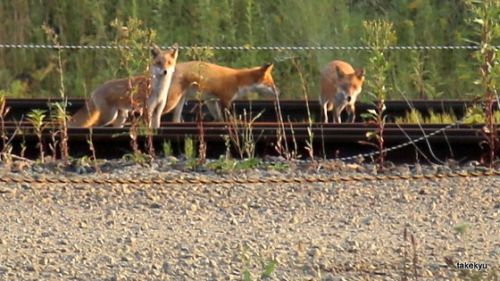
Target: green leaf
[367,116]
[269,269]
[372,135]
[478,20]
[247,276]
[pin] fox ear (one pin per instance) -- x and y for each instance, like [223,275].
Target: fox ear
[155,50]
[360,73]
[268,67]
[174,49]
[340,73]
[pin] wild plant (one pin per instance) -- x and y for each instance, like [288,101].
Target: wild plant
[379,34]
[135,59]
[200,54]
[240,130]
[190,153]
[93,158]
[37,119]
[309,143]
[267,270]
[60,117]
[4,110]
[167,149]
[485,19]
[409,238]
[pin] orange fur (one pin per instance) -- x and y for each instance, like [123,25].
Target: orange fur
[340,86]
[216,82]
[111,102]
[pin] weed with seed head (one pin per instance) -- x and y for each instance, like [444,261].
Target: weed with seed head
[240,129]
[309,143]
[200,54]
[485,20]
[409,238]
[60,117]
[134,59]
[379,34]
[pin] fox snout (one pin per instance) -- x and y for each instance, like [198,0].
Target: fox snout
[342,98]
[159,71]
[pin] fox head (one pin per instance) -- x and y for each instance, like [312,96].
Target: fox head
[163,62]
[265,81]
[349,85]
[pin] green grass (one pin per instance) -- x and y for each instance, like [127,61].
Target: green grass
[474,115]
[425,74]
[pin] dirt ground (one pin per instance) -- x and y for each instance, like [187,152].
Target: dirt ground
[335,231]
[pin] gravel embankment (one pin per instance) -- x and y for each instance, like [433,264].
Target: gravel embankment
[340,231]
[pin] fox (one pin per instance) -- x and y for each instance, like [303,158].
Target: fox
[340,86]
[218,85]
[111,102]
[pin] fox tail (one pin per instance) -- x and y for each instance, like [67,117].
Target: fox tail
[86,116]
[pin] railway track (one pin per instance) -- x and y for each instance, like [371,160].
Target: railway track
[293,110]
[329,140]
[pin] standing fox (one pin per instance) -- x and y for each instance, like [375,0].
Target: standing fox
[111,102]
[216,83]
[340,86]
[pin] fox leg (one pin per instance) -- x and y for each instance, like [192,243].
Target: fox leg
[120,119]
[214,109]
[107,116]
[177,118]
[155,105]
[337,111]
[351,111]
[155,117]
[325,111]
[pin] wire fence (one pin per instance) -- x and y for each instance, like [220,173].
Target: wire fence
[277,48]
[247,48]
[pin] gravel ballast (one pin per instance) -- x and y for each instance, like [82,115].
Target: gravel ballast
[334,231]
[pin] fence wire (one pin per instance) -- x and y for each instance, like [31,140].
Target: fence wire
[246,47]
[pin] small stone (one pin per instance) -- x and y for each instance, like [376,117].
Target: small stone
[6,189]
[193,207]
[109,260]
[126,258]
[155,206]
[4,269]
[31,268]
[165,267]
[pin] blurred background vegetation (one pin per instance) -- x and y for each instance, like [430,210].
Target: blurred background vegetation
[425,74]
